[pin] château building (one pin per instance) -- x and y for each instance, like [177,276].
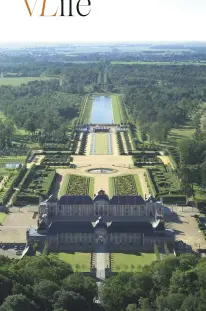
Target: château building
[120,223]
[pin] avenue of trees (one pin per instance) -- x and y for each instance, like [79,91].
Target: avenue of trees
[44,283]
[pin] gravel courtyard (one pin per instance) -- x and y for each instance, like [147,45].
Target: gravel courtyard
[184,225]
[15,226]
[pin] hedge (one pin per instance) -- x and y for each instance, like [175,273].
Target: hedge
[150,183]
[14,183]
[174,199]
[172,159]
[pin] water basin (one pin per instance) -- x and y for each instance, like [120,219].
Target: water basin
[102,112]
[101,171]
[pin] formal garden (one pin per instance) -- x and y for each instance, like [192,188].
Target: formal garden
[57,159]
[145,158]
[125,185]
[77,185]
[38,181]
[164,182]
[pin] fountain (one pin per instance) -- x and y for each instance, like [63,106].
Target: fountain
[101,170]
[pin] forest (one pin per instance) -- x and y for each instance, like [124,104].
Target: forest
[45,283]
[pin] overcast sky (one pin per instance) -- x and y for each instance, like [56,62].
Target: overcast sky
[109,20]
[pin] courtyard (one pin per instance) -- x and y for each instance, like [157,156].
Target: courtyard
[16,224]
[181,220]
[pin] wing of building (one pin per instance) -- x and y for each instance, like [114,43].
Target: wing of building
[80,223]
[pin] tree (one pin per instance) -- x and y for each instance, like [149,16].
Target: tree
[18,303]
[5,287]
[184,282]
[172,302]
[190,303]
[85,286]
[45,290]
[163,270]
[70,301]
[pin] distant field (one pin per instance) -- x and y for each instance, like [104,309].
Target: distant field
[117,109]
[129,262]
[16,81]
[101,143]
[79,261]
[157,63]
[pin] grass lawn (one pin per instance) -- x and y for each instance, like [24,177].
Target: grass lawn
[2,217]
[16,81]
[87,110]
[117,109]
[138,186]
[91,187]
[130,262]
[182,133]
[79,261]
[111,187]
[101,143]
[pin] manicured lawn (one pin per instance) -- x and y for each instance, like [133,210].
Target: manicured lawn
[87,110]
[16,81]
[2,217]
[101,143]
[111,187]
[91,187]
[138,186]
[79,261]
[117,109]
[129,262]
[181,133]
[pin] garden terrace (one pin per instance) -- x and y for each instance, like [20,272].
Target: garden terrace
[77,185]
[125,185]
[164,180]
[38,182]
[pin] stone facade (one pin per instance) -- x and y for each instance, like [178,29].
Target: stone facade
[122,223]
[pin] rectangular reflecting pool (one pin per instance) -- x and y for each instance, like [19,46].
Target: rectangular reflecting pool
[102,112]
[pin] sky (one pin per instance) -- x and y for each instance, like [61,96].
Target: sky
[109,21]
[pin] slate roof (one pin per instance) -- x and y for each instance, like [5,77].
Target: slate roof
[131,227]
[101,197]
[159,226]
[127,200]
[69,227]
[75,199]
